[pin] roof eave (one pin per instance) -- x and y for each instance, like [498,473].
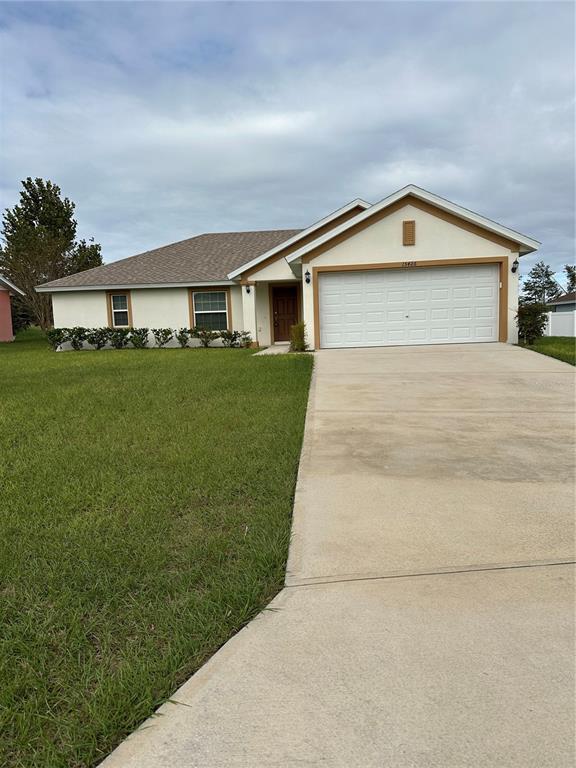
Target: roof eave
[47,288]
[526,244]
[358,202]
[10,286]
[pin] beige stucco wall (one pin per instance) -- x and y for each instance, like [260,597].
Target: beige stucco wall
[160,308]
[151,308]
[278,270]
[513,291]
[435,239]
[84,308]
[236,302]
[263,314]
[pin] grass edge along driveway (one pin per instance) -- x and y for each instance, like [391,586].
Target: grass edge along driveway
[561,347]
[144,518]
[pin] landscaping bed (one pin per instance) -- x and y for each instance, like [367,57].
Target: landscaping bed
[145,518]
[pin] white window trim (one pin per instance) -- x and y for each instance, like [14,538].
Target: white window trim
[113,311]
[196,312]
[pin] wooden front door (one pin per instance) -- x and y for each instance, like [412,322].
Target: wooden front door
[284,311]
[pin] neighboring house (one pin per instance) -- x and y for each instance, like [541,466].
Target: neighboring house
[562,316]
[6,290]
[564,303]
[411,269]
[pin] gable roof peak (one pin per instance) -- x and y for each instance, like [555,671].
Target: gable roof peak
[525,244]
[356,203]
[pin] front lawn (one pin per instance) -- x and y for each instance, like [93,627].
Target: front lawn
[145,509]
[561,347]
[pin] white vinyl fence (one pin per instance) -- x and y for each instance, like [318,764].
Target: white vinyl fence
[561,324]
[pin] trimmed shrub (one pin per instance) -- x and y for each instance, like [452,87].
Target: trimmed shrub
[205,337]
[77,337]
[162,335]
[119,337]
[298,338]
[245,339]
[531,320]
[98,337]
[230,338]
[182,337]
[57,336]
[139,337]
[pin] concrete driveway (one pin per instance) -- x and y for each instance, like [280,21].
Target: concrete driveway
[428,616]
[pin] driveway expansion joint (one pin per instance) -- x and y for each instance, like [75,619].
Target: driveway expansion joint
[319,580]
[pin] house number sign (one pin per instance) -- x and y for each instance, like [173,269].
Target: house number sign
[408,263]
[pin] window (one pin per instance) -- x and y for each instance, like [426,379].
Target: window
[119,310]
[408,233]
[210,310]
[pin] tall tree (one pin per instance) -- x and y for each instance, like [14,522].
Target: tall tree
[570,270]
[540,285]
[39,244]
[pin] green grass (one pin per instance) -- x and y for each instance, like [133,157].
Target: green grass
[145,513]
[561,347]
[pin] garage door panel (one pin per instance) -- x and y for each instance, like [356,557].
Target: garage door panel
[439,294]
[439,334]
[485,313]
[421,306]
[484,292]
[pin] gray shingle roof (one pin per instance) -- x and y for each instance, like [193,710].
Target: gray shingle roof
[566,298]
[200,259]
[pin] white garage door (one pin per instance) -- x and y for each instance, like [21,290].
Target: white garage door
[442,305]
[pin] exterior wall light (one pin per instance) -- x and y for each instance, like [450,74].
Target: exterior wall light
[515,265]
[307,277]
[247,289]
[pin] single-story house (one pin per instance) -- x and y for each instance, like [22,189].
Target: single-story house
[413,268]
[7,289]
[564,303]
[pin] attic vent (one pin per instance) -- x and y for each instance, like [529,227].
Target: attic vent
[408,233]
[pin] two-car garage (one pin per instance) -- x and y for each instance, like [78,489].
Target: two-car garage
[408,306]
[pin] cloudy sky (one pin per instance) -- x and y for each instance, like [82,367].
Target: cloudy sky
[164,120]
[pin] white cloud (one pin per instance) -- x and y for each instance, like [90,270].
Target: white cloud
[164,120]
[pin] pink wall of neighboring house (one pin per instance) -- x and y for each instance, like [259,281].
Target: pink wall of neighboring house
[5,316]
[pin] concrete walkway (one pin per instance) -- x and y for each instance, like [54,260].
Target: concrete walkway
[428,616]
[275,349]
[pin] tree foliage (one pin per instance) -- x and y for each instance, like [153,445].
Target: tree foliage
[21,317]
[531,320]
[39,244]
[570,271]
[540,286]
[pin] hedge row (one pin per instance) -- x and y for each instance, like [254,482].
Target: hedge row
[119,338]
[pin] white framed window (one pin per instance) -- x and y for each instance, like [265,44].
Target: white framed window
[119,310]
[210,310]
